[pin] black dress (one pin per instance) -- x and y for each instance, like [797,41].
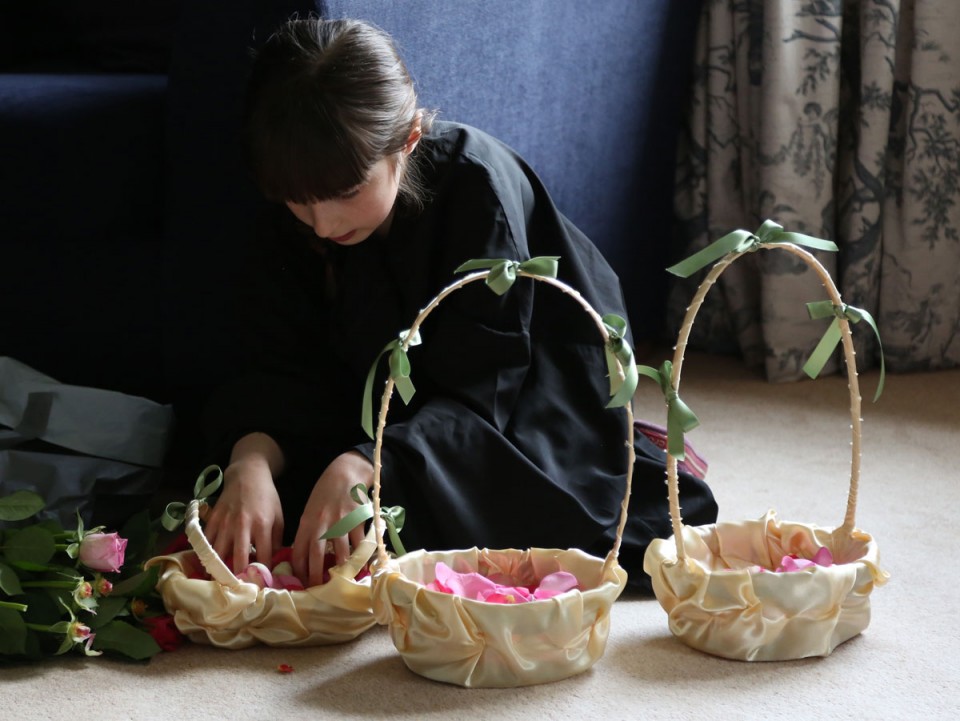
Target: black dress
[507,442]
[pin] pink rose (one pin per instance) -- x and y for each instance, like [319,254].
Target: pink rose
[102,552]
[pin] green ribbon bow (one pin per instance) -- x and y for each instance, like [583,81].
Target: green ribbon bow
[821,354]
[742,241]
[680,419]
[393,516]
[399,365]
[503,272]
[617,348]
[175,512]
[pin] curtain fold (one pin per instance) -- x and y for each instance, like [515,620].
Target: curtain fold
[840,119]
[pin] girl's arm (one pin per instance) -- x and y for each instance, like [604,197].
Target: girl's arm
[248,511]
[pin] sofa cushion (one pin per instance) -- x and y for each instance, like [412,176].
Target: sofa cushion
[81,227]
[87,35]
[82,154]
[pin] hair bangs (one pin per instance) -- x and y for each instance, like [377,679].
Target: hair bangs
[306,157]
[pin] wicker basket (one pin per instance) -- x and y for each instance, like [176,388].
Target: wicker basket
[227,612]
[707,578]
[473,643]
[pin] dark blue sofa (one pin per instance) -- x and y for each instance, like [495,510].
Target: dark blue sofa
[125,205]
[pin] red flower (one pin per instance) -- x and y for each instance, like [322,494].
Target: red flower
[164,631]
[180,543]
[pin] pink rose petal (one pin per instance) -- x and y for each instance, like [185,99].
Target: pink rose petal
[468,585]
[554,584]
[289,583]
[257,574]
[823,557]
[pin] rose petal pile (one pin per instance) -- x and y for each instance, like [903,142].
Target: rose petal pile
[792,562]
[280,575]
[478,587]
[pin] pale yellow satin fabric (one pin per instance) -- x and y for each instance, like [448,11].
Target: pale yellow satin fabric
[716,604]
[472,643]
[230,613]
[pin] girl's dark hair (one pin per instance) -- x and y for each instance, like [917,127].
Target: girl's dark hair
[326,100]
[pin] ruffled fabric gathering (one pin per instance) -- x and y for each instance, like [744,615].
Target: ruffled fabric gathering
[255,607]
[456,639]
[717,602]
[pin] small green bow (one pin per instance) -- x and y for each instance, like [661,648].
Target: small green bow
[742,241]
[821,354]
[399,365]
[680,419]
[175,512]
[393,517]
[503,272]
[616,349]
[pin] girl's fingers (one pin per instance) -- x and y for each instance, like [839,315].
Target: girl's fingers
[241,552]
[356,537]
[299,558]
[318,549]
[263,542]
[277,537]
[341,549]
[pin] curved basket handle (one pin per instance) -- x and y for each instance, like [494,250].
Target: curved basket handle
[408,339]
[212,563]
[849,358]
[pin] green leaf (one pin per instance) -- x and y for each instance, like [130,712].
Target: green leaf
[9,581]
[20,505]
[139,585]
[139,535]
[65,646]
[110,607]
[42,608]
[30,545]
[13,632]
[123,638]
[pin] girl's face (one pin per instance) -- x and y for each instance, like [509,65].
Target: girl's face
[354,216]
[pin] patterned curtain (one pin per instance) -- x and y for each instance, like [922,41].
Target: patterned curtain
[839,119]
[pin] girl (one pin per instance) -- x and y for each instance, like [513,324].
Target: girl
[507,442]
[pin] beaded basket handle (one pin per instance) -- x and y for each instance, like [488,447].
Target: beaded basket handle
[408,338]
[722,264]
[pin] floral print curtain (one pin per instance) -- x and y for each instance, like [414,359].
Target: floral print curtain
[838,119]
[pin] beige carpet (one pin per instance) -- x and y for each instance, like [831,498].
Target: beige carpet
[782,446]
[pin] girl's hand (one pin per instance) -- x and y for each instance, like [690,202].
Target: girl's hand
[248,511]
[329,502]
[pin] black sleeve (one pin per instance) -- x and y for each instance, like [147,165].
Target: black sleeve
[284,374]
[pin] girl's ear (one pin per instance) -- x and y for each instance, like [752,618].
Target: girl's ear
[416,132]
